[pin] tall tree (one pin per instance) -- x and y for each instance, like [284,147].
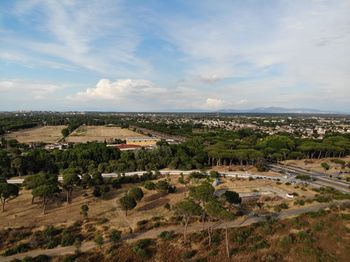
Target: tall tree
[70,179]
[127,203]
[187,209]
[215,210]
[202,193]
[46,192]
[7,191]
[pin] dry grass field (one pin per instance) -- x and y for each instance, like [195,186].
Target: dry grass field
[85,134]
[19,212]
[45,134]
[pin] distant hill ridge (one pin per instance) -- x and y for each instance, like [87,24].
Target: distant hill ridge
[279,110]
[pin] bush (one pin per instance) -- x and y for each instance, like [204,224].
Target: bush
[325,166]
[339,162]
[21,248]
[167,206]
[115,236]
[299,202]
[141,248]
[166,235]
[67,239]
[149,185]
[189,254]
[214,174]
[303,177]
[286,241]
[162,186]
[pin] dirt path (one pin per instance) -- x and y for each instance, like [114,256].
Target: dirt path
[154,233]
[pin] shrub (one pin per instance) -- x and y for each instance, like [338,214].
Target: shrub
[181,179]
[214,174]
[149,185]
[189,254]
[325,166]
[283,206]
[162,186]
[67,239]
[286,241]
[21,248]
[141,248]
[167,206]
[303,177]
[99,240]
[339,162]
[299,202]
[115,236]
[166,235]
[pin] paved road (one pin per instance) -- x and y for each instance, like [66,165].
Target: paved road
[168,172]
[196,227]
[320,179]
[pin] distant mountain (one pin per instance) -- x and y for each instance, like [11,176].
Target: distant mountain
[279,110]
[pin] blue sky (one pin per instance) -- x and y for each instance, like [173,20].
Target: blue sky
[152,55]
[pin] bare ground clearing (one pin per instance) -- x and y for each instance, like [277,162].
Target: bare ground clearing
[45,134]
[100,133]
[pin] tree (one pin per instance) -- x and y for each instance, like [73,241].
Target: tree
[187,209]
[70,179]
[127,203]
[46,192]
[135,193]
[86,181]
[115,236]
[232,197]
[34,181]
[18,165]
[7,191]
[84,210]
[65,132]
[202,193]
[215,210]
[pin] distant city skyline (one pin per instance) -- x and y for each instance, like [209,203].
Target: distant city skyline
[174,55]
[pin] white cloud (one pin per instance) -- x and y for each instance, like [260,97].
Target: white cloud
[118,90]
[214,103]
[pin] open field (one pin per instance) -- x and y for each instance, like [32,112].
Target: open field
[315,165]
[45,134]
[85,134]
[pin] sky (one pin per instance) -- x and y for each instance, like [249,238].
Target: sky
[175,55]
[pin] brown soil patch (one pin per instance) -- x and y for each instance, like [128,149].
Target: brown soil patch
[85,134]
[44,134]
